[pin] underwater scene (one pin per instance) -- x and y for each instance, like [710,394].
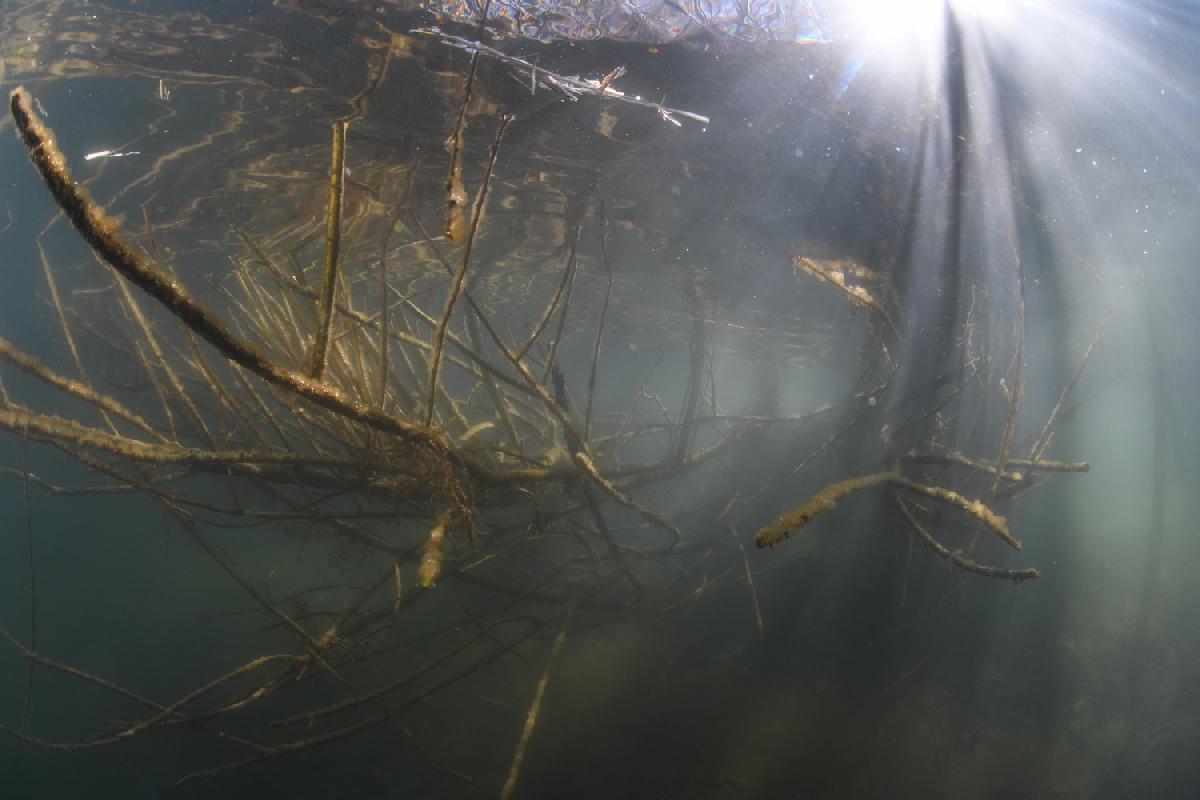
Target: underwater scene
[599,400]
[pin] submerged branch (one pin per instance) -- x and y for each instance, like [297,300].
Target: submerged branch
[957,559]
[569,87]
[771,535]
[101,232]
[439,338]
[333,239]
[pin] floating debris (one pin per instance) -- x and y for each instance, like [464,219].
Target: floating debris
[110,154]
[570,86]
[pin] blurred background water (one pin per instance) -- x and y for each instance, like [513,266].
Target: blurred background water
[942,145]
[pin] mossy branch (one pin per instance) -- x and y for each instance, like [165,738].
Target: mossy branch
[827,498]
[433,553]
[57,430]
[101,233]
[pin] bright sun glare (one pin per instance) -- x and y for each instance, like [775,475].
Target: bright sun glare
[896,21]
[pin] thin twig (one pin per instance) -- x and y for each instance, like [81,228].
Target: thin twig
[333,239]
[535,708]
[572,270]
[570,87]
[957,559]
[1043,440]
[32,574]
[548,312]
[758,618]
[591,392]
[439,337]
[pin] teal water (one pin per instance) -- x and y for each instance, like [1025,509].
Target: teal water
[968,162]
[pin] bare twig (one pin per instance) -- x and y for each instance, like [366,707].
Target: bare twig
[439,338]
[535,707]
[1043,440]
[591,390]
[758,618]
[957,559]
[569,87]
[32,576]
[333,239]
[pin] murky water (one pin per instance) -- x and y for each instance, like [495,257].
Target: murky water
[885,294]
